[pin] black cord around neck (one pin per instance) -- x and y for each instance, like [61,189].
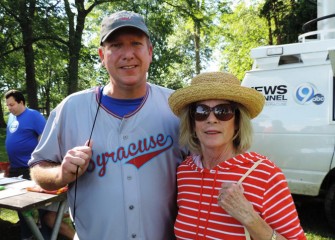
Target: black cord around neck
[76,181]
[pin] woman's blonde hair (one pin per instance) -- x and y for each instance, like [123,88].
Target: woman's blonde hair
[241,141]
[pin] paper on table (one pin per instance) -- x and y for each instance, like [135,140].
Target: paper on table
[11,192]
[21,185]
[6,180]
[16,188]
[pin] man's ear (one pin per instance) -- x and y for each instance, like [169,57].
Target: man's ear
[101,55]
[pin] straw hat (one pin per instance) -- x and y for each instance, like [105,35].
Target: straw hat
[217,85]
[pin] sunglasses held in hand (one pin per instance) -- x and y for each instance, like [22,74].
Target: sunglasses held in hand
[222,112]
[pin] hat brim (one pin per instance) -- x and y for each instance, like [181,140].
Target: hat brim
[123,26]
[251,99]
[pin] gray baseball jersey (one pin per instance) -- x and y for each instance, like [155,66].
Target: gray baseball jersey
[129,190]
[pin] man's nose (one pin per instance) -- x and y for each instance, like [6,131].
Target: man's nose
[128,52]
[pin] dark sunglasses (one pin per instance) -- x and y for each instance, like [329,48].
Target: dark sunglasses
[223,112]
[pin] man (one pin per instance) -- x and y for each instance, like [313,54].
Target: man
[116,146]
[24,128]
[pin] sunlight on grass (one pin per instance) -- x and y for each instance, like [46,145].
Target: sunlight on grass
[8,215]
[310,236]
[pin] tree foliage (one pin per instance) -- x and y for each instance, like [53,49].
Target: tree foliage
[239,36]
[261,23]
[286,17]
[196,21]
[48,49]
[22,15]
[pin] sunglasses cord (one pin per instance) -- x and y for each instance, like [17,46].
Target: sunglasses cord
[76,181]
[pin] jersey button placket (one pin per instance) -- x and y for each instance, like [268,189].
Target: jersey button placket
[130,187]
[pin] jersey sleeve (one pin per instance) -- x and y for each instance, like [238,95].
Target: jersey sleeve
[48,146]
[69,125]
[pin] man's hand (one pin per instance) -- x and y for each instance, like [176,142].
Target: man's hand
[52,176]
[75,161]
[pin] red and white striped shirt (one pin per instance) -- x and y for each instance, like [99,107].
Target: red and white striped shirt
[200,216]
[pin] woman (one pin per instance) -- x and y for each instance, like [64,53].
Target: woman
[217,198]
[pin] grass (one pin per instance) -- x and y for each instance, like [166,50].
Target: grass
[8,215]
[311,211]
[3,153]
[313,219]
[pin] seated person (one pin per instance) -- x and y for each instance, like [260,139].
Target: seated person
[66,230]
[48,215]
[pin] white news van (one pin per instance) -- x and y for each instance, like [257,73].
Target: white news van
[296,128]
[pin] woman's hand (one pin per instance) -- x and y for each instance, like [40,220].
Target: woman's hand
[233,201]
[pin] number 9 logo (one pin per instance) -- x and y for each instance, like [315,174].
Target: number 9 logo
[305,93]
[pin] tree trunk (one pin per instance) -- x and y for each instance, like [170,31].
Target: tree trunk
[26,23]
[197,46]
[31,86]
[270,31]
[2,119]
[75,37]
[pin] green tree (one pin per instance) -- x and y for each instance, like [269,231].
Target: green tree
[198,23]
[38,23]
[11,77]
[2,119]
[23,12]
[241,30]
[76,15]
[285,18]
[258,24]
[51,75]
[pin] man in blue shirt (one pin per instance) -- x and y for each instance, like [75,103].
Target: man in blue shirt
[24,127]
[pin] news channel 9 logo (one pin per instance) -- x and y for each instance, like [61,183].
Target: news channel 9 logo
[307,93]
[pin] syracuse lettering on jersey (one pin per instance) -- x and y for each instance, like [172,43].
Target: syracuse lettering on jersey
[138,153]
